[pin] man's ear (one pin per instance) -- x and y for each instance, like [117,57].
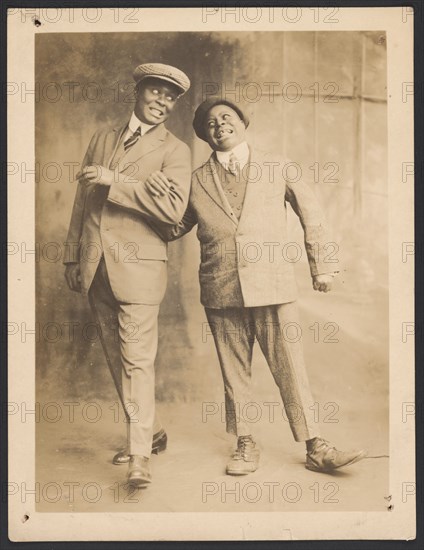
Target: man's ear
[137,89]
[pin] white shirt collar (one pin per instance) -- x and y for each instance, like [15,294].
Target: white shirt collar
[240,151]
[134,123]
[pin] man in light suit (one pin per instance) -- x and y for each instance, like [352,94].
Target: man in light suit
[238,202]
[115,257]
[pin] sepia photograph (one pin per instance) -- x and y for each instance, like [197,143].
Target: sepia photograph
[212,270]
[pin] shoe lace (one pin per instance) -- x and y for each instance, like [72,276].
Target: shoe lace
[323,443]
[244,444]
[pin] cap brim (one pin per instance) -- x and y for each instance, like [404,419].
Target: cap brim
[160,77]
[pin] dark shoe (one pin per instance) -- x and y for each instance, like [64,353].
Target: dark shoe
[246,458]
[160,441]
[323,457]
[139,471]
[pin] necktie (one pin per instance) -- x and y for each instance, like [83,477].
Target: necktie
[233,165]
[129,142]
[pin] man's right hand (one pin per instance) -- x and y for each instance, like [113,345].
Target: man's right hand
[158,184]
[73,277]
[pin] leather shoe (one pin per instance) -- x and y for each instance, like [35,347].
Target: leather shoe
[160,441]
[245,460]
[323,457]
[139,471]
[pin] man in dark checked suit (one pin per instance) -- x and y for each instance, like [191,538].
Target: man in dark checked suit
[114,256]
[238,202]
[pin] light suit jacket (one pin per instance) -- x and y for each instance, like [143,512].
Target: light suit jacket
[115,221]
[249,262]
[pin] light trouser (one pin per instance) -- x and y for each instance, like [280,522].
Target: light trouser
[278,332]
[129,335]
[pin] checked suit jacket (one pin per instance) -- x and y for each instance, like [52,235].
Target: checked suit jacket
[115,221]
[250,261]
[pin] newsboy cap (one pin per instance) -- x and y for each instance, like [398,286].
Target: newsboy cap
[203,109]
[163,72]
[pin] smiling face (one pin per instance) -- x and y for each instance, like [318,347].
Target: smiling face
[224,129]
[155,100]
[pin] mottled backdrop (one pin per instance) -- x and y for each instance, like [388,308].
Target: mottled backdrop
[326,111]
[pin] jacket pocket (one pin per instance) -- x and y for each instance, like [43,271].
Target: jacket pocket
[279,196]
[152,252]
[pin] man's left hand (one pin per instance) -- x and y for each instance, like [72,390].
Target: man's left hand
[97,174]
[322,282]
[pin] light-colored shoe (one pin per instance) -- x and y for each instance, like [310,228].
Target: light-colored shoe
[245,460]
[323,457]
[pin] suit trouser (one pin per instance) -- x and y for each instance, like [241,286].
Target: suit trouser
[129,334]
[278,332]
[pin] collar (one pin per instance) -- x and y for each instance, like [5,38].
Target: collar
[134,123]
[240,151]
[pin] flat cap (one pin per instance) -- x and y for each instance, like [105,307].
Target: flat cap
[163,72]
[203,109]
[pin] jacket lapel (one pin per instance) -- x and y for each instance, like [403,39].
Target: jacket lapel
[112,145]
[254,192]
[210,182]
[146,144]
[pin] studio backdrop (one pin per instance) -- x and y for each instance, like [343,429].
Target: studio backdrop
[318,98]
